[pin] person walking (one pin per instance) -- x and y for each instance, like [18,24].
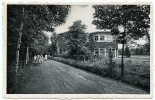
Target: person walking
[35,59]
[45,57]
[38,59]
[41,58]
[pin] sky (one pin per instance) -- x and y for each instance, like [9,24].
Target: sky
[78,12]
[83,13]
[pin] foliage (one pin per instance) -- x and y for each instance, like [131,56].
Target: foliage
[133,18]
[136,72]
[139,51]
[53,48]
[77,39]
[127,52]
[27,22]
[95,65]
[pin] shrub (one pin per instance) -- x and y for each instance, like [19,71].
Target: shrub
[127,52]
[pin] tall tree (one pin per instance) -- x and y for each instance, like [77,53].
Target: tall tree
[28,20]
[133,18]
[77,38]
[53,48]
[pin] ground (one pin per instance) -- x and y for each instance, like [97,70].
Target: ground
[53,77]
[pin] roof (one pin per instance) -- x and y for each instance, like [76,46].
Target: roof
[103,32]
[106,44]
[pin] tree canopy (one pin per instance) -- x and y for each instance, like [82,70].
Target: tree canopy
[77,39]
[36,18]
[25,26]
[134,18]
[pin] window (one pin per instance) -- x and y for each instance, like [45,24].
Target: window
[101,50]
[101,37]
[96,51]
[60,51]
[96,38]
[109,38]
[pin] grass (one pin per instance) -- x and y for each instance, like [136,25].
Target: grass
[136,71]
[13,79]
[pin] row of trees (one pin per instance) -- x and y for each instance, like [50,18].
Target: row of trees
[26,27]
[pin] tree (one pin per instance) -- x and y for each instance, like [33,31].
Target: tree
[29,20]
[127,52]
[133,18]
[77,38]
[53,47]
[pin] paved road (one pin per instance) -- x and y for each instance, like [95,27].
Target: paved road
[53,77]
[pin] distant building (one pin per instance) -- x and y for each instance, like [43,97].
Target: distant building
[98,42]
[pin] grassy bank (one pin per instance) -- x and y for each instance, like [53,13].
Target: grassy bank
[13,79]
[134,73]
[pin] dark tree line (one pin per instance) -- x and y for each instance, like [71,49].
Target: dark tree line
[25,32]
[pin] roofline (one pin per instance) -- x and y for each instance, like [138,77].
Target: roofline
[89,32]
[104,32]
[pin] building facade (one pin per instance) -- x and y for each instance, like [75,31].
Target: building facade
[98,42]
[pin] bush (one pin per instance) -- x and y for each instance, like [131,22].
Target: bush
[127,52]
[93,66]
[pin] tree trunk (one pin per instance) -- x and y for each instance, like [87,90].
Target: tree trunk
[148,36]
[19,43]
[28,54]
[24,56]
[18,46]
[122,65]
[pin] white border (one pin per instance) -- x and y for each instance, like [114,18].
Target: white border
[91,95]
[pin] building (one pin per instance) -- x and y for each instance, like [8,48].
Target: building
[98,42]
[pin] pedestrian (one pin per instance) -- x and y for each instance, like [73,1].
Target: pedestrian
[41,57]
[45,57]
[35,59]
[38,59]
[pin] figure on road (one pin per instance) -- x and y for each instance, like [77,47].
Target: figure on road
[35,59]
[45,57]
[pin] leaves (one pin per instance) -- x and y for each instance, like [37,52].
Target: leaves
[77,38]
[36,19]
[134,18]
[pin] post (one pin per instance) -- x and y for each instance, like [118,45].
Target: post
[105,51]
[115,53]
[110,55]
[122,64]
[98,51]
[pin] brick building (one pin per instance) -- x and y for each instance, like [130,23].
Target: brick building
[98,42]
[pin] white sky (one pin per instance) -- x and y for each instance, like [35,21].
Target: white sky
[83,13]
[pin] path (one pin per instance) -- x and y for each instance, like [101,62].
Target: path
[53,77]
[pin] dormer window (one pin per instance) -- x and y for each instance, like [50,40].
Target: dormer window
[96,38]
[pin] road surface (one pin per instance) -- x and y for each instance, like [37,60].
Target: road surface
[53,77]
